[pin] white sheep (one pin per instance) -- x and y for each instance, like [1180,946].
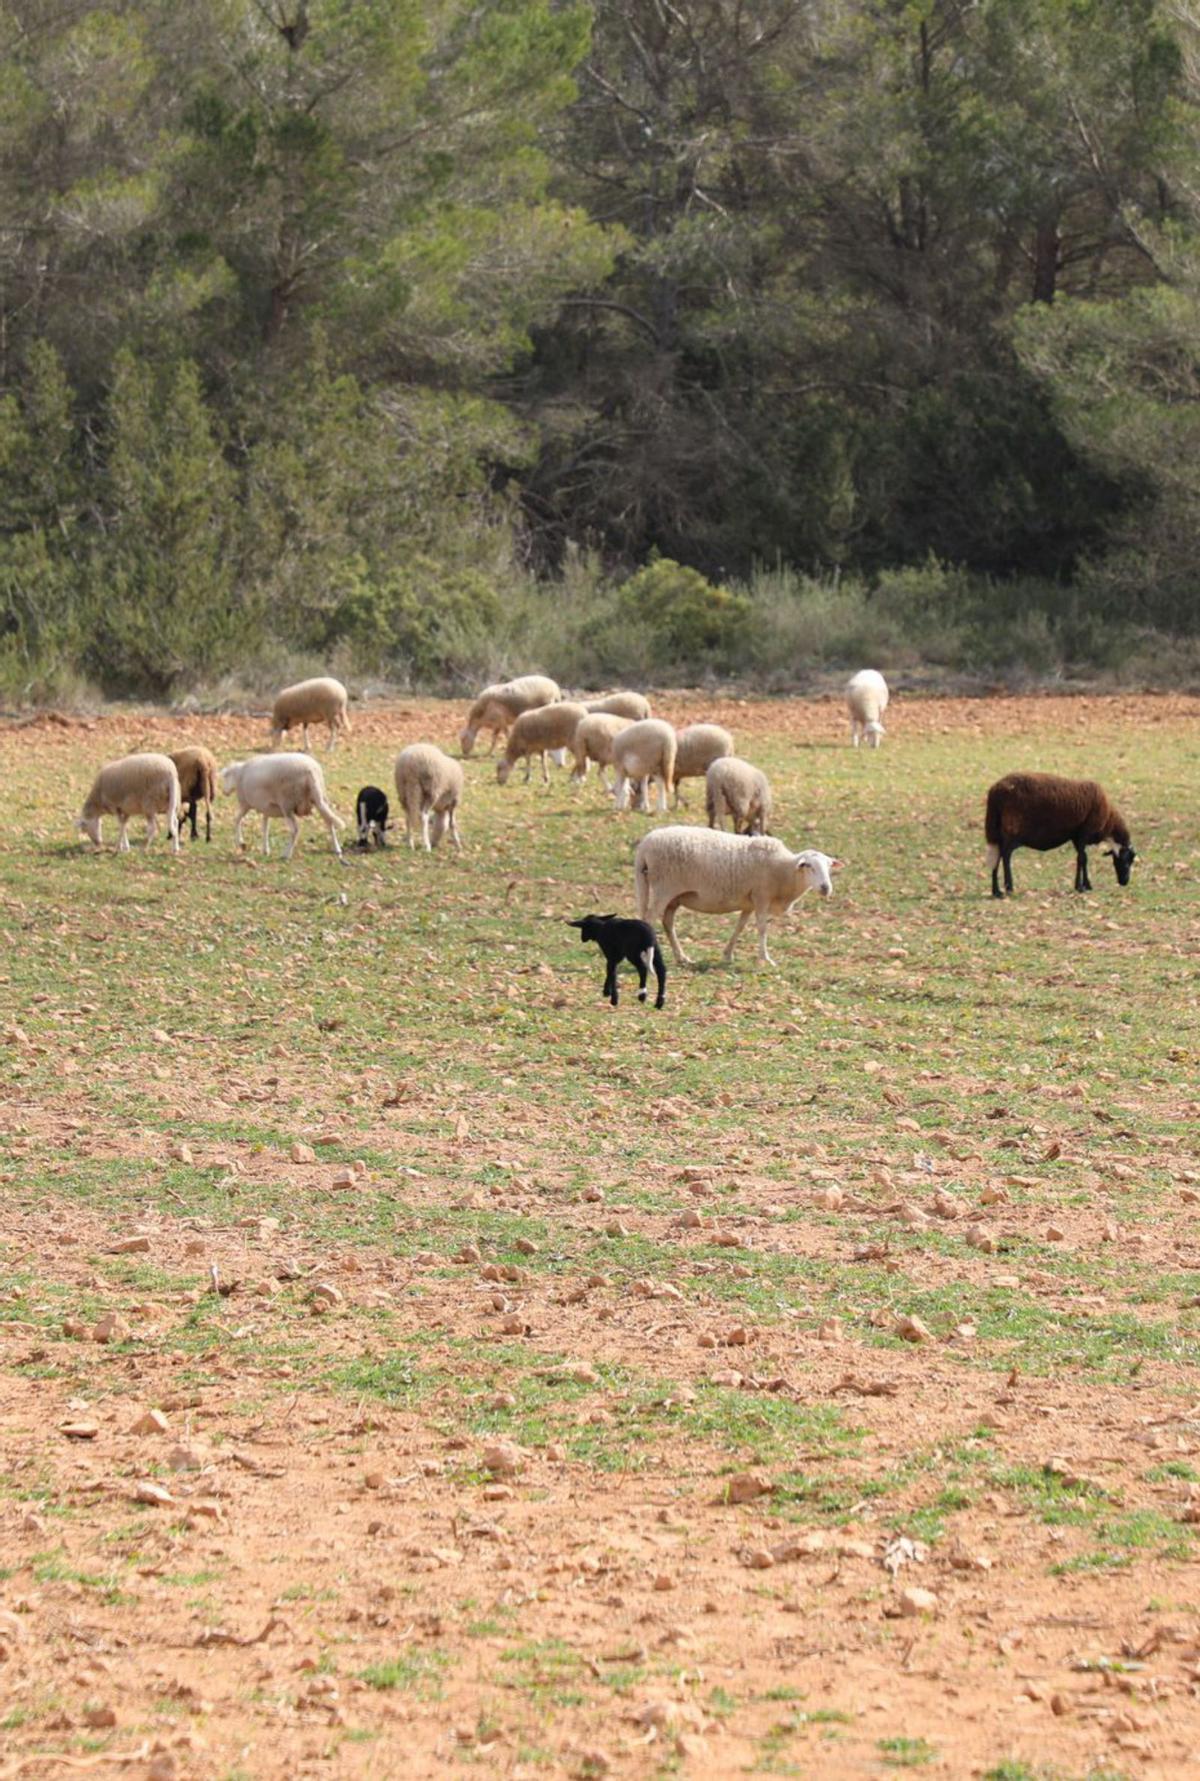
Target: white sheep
[283,785]
[499,706]
[735,788]
[867,700]
[321,701]
[633,706]
[430,788]
[696,748]
[544,730]
[716,874]
[642,752]
[594,738]
[139,785]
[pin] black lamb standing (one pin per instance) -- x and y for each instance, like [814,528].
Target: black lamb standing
[371,811]
[620,939]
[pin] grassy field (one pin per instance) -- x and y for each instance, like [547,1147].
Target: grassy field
[537,1378]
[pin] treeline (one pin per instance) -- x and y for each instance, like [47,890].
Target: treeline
[645,336]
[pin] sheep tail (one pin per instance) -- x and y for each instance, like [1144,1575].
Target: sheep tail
[642,888]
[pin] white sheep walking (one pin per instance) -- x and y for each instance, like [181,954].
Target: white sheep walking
[718,874]
[594,738]
[499,706]
[740,791]
[644,751]
[320,701]
[138,785]
[696,748]
[285,785]
[867,700]
[547,729]
[430,787]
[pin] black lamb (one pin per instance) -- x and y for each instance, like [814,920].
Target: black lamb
[619,938]
[371,810]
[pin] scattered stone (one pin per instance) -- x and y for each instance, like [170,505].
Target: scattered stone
[152,1423]
[155,1496]
[302,1153]
[911,1329]
[111,1328]
[913,1602]
[130,1246]
[100,1718]
[744,1487]
[79,1431]
[325,1294]
[503,1459]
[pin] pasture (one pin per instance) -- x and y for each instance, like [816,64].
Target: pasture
[534,1381]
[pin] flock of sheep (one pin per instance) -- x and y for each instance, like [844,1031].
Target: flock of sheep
[749,873]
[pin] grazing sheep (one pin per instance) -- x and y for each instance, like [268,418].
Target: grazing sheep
[594,738]
[430,787]
[644,751]
[371,815]
[736,788]
[633,706]
[284,785]
[197,770]
[620,939]
[499,706]
[698,746]
[867,699]
[139,785]
[321,701]
[545,729]
[1042,811]
[716,874]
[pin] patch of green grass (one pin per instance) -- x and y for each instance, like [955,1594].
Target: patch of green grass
[417,1672]
[906,1753]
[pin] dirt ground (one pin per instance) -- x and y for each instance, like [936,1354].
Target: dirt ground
[209,1560]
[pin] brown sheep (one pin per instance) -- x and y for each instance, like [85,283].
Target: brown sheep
[1042,811]
[197,770]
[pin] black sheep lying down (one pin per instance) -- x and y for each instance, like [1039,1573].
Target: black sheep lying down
[635,941]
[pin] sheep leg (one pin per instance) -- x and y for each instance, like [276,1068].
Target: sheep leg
[329,824]
[207,822]
[293,823]
[662,796]
[266,823]
[545,768]
[1082,880]
[610,982]
[452,821]
[425,841]
[620,787]
[743,918]
[660,972]
[1008,882]
[151,828]
[122,837]
[237,828]
[642,964]
[668,922]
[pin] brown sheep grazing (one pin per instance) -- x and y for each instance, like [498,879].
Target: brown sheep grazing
[1042,811]
[197,770]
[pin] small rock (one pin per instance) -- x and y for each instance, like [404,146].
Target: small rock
[152,1423]
[663,1582]
[79,1431]
[744,1487]
[832,1330]
[344,1177]
[111,1328]
[156,1496]
[131,1246]
[914,1601]
[911,1329]
[325,1294]
[100,1718]
[1054,1233]
[525,1246]
[302,1153]
[180,1153]
[504,1459]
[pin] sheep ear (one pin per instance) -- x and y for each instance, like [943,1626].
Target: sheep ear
[576,924]
[836,865]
